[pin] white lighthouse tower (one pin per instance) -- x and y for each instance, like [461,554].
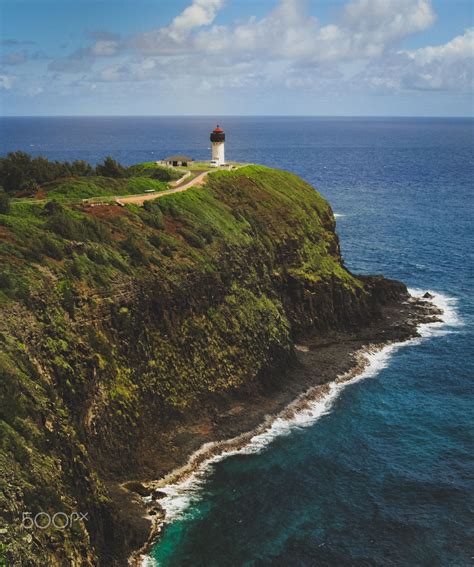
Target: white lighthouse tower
[217,143]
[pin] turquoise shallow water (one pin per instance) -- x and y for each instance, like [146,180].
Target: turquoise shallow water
[385,475]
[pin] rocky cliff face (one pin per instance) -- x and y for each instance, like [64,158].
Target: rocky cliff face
[117,322]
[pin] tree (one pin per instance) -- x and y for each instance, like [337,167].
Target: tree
[110,168]
[28,185]
[81,168]
[15,168]
[18,171]
[53,207]
[4,202]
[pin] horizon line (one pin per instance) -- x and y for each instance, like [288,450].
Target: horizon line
[233,116]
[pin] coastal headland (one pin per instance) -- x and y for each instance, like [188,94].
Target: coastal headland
[132,335]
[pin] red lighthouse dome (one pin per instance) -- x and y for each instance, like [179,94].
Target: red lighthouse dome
[217,135]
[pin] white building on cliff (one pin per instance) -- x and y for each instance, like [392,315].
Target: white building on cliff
[217,146]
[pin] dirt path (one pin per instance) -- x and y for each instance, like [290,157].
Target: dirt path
[140,199]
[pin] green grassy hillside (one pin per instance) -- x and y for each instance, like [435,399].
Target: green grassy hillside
[112,314]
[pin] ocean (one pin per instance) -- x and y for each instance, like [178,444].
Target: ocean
[381,472]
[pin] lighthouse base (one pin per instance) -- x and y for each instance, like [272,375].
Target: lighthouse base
[217,155]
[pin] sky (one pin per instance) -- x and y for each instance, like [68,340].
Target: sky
[237,57]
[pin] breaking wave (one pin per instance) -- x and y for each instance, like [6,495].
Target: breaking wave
[183,486]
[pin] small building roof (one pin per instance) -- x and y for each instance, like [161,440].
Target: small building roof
[178,158]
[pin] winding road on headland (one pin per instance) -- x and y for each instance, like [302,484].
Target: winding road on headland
[140,199]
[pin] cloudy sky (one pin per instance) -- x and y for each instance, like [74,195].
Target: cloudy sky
[280,57]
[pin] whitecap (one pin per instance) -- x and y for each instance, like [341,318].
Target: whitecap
[449,319]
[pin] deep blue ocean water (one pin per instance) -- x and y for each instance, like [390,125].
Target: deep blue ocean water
[385,476]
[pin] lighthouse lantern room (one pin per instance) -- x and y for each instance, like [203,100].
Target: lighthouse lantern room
[217,144]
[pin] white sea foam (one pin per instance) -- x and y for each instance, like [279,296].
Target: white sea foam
[184,487]
[338,215]
[449,319]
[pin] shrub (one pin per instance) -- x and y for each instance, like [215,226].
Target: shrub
[65,225]
[6,281]
[192,238]
[154,216]
[68,298]
[69,225]
[132,247]
[163,174]
[156,240]
[81,168]
[94,229]
[76,267]
[4,202]
[52,248]
[29,185]
[206,233]
[95,254]
[110,168]
[52,207]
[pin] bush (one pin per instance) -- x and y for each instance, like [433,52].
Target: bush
[154,216]
[52,248]
[96,255]
[65,225]
[110,168]
[163,174]
[96,230]
[153,171]
[29,185]
[192,238]
[64,222]
[132,247]
[4,202]
[68,298]
[6,281]
[156,241]
[206,233]
[81,168]
[53,207]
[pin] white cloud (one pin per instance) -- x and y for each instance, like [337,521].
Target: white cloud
[446,67]
[199,13]
[443,67]
[173,38]
[385,20]
[287,48]
[365,29]
[460,47]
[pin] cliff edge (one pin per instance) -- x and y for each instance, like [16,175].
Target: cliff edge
[121,327]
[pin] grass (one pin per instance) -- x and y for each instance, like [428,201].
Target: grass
[106,189]
[76,189]
[233,207]
[203,166]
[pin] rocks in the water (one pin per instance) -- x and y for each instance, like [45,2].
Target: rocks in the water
[428,295]
[157,494]
[156,511]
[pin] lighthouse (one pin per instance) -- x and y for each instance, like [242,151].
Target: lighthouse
[217,142]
